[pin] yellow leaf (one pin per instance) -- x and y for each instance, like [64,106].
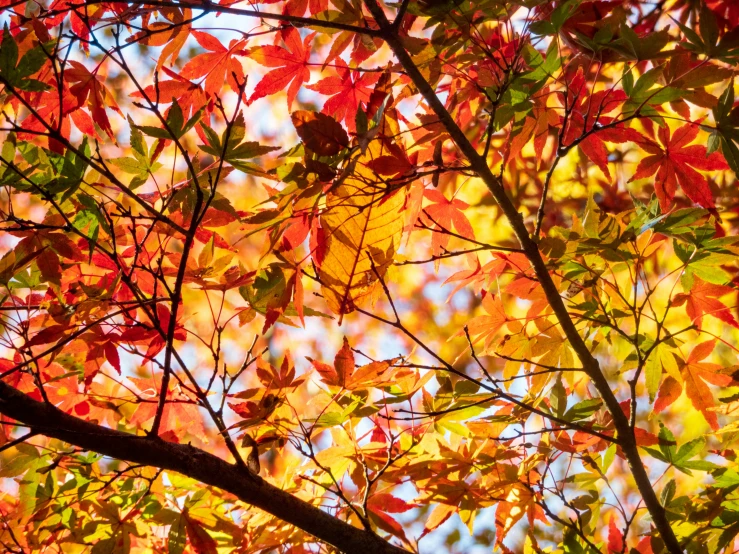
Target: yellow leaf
[363,226]
[438,516]
[661,357]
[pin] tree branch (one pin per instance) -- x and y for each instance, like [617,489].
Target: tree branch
[626,437]
[216,8]
[195,463]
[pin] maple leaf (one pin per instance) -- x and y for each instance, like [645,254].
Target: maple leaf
[445,214]
[291,65]
[89,88]
[343,374]
[661,358]
[669,391]
[588,119]
[380,505]
[50,108]
[151,336]
[438,516]
[200,539]
[320,133]
[615,538]
[519,501]
[537,124]
[218,65]
[674,165]
[695,373]
[180,416]
[172,35]
[343,367]
[348,89]
[703,299]
[272,378]
[189,96]
[63,392]
[371,375]
[363,231]
[485,327]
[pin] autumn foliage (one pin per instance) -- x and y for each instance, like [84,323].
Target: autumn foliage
[364,276]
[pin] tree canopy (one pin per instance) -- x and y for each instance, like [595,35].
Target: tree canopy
[371,277]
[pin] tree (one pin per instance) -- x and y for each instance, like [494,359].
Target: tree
[229,231]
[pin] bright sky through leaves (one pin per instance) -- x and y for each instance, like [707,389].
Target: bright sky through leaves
[344,275]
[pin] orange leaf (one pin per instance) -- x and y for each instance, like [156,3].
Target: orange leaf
[669,391]
[291,63]
[218,65]
[702,299]
[344,363]
[696,373]
[438,516]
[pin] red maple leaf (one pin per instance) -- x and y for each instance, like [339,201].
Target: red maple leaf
[88,87]
[218,65]
[615,538]
[347,89]
[189,96]
[587,119]
[63,392]
[48,108]
[674,165]
[291,66]
[702,299]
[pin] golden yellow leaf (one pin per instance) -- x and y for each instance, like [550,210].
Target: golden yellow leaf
[363,226]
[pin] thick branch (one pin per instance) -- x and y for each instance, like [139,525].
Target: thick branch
[193,462]
[590,365]
[216,8]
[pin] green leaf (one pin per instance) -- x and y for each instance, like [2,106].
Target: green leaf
[130,165]
[155,132]
[583,410]
[563,12]
[729,478]
[24,457]
[693,38]
[8,55]
[17,73]
[708,28]
[660,358]
[543,68]
[137,139]
[176,125]
[177,538]
[175,118]
[640,48]
[558,397]
[234,151]
[542,28]
[689,449]
[668,493]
